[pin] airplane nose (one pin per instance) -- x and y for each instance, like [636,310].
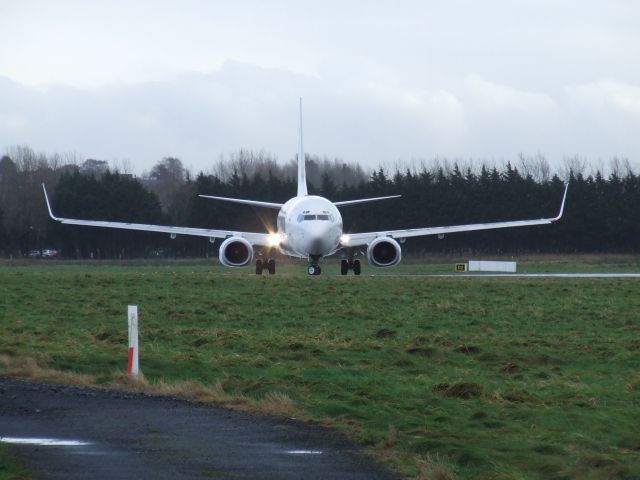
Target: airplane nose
[318,241]
[316,246]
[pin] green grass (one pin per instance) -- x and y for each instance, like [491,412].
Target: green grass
[486,378]
[10,467]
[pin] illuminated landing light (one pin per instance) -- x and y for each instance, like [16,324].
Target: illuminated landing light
[304,452]
[47,442]
[275,239]
[345,239]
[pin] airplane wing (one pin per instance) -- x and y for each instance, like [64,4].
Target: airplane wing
[255,203]
[356,239]
[363,200]
[261,239]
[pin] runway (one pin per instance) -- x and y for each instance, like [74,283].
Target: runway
[514,275]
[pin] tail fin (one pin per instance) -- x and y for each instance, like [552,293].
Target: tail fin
[302,176]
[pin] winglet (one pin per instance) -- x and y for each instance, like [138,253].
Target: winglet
[46,198]
[564,198]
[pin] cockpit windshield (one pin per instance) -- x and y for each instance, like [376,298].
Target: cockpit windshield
[323,216]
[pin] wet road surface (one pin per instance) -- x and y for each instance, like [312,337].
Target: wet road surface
[112,434]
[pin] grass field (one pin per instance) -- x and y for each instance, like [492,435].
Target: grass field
[10,467]
[440,377]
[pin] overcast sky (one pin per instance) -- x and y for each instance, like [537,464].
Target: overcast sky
[381,81]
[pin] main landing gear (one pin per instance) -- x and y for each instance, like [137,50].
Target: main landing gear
[269,265]
[351,264]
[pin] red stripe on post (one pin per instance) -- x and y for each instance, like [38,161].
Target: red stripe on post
[130,366]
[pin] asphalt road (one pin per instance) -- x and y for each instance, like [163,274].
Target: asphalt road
[513,275]
[113,434]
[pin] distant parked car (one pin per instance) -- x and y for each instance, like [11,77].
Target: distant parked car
[50,253]
[34,254]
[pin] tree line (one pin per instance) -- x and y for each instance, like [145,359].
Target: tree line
[602,213]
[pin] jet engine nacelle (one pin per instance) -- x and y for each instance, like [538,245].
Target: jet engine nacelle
[384,252]
[235,252]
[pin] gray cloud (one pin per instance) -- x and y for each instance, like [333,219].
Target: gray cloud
[198,117]
[381,82]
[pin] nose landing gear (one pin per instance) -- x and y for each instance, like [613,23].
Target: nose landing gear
[314,268]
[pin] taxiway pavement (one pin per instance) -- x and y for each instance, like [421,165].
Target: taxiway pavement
[67,432]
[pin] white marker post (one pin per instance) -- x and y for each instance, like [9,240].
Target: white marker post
[133,366]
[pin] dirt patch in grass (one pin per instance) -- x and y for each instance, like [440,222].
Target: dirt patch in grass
[510,368]
[548,450]
[599,466]
[462,390]
[296,346]
[432,468]
[273,403]
[518,396]
[468,349]
[110,337]
[200,342]
[384,333]
[30,368]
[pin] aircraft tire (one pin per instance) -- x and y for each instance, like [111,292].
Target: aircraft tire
[314,270]
[271,265]
[259,267]
[344,267]
[356,267]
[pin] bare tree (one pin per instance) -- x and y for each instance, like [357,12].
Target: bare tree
[537,167]
[165,179]
[94,167]
[263,164]
[575,165]
[620,166]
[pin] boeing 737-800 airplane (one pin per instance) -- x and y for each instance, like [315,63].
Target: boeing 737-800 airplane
[309,227]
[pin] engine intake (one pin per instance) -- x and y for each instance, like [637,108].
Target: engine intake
[235,252]
[384,252]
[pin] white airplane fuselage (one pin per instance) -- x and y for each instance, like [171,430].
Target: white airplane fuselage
[309,226]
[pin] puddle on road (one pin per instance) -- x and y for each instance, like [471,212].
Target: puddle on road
[46,442]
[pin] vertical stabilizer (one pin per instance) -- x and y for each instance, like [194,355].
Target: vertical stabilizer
[302,176]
